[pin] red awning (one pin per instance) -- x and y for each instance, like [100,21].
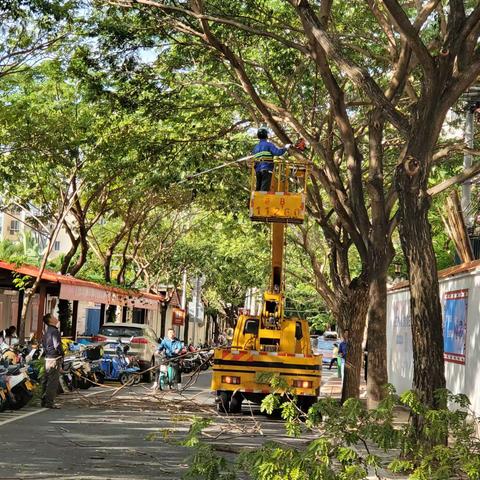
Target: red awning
[72,288]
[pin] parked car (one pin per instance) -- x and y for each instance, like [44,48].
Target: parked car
[141,339]
[330,335]
[322,345]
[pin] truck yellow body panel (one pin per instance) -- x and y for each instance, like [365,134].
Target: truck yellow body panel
[248,365]
[277,207]
[283,351]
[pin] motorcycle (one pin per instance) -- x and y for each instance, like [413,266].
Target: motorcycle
[207,360]
[9,354]
[18,388]
[3,393]
[167,371]
[76,373]
[197,360]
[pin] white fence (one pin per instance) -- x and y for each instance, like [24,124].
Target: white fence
[460,299]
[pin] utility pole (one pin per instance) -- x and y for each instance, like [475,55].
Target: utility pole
[472,99]
[197,295]
[183,302]
[467,162]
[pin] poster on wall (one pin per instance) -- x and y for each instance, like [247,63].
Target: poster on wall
[399,352]
[402,324]
[455,325]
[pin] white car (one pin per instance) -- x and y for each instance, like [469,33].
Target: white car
[141,339]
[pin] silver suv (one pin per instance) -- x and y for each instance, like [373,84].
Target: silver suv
[140,338]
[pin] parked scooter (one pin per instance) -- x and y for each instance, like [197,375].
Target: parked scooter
[207,360]
[117,366]
[196,360]
[9,354]
[3,392]
[18,388]
[75,373]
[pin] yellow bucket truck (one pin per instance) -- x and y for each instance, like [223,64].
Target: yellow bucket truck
[269,343]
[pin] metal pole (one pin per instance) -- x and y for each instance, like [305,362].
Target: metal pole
[197,294]
[467,162]
[183,302]
[184,289]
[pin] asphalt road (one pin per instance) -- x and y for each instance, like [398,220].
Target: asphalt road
[124,433]
[107,433]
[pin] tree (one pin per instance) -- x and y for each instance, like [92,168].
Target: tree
[352,48]
[30,29]
[230,252]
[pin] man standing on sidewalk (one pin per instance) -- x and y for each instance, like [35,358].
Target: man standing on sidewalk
[342,352]
[52,346]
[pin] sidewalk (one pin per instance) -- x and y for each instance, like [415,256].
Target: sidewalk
[332,385]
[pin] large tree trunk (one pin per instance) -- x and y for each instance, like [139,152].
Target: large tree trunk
[107,266]
[82,259]
[186,329]
[64,317]
[216,328]
[381,253]
[352,315]
[163,318]
[69,255]
[377,371]
[415,235]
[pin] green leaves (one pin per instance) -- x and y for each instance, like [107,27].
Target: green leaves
[196,428]
[346,447]
[270,403]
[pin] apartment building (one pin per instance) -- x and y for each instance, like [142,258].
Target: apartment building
[15,222]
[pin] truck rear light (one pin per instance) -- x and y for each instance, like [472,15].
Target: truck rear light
[231,380]
[98,338]
[302,384]
[139,340]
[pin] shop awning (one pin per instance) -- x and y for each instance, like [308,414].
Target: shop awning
[72,288]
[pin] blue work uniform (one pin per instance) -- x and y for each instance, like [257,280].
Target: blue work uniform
[169,346]
[342,353]
[264,151]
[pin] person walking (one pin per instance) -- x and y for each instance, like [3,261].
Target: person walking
[52,346]
[342,352]
[334,359]
[264,152]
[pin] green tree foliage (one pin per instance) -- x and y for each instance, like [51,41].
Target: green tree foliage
[231,253]
[354,443]
[30,30]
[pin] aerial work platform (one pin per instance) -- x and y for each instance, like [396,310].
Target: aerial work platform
[285,202]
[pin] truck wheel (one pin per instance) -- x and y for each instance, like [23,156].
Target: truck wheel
[305,402]
[223,401]
[236,403]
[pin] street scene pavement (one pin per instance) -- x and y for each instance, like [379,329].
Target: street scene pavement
[120,433]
